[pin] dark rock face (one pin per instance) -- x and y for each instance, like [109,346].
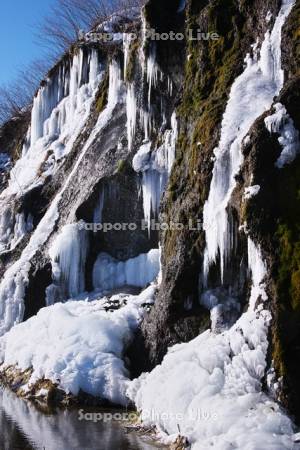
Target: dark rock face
[210,71]
[12,135]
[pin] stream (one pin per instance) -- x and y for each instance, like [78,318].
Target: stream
[23,426]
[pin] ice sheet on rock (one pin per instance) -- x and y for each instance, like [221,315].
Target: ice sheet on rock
[15,279]
[60,110]
[280,122]
[78,345]
[251,94]
[210,388]
[109,273]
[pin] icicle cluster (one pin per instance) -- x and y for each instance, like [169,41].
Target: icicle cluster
[15,279]
[251,94]
[68,256]
[60,109]
[156,167]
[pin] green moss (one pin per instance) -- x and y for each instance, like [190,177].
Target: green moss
[121,166]
[131,64]
[278,356]
[287,276]
[289,265]
[102,94]
[210,70]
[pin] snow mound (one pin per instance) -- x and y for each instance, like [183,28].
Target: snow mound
[213,397]
[211,388]
[78,345]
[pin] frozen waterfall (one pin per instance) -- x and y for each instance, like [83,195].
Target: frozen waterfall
[251,94]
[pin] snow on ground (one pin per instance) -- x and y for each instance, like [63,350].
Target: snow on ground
[78,344]
[280,122]
[210,389]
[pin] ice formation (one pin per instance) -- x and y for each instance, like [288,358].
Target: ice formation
[131,107]
[108,273]
[251,94]
[224,308]
[210,388]
[60,109]
[156,167]
[68,257]
[78,345]
[97,216]
[280,122]
[15,279]
[152,71]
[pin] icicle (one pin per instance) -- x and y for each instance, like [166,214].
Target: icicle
[131,108]
[94,68]
[152,71]
[59,112]
[13,228]
[15,279]
[156,168]
[99,208]
[146,123]
[251,94]
[68,256]
[115,82]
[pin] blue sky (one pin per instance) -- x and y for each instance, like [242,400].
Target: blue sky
[17,40]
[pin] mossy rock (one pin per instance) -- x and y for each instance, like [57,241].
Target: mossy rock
[131,64]
[122,166]
[102,94]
